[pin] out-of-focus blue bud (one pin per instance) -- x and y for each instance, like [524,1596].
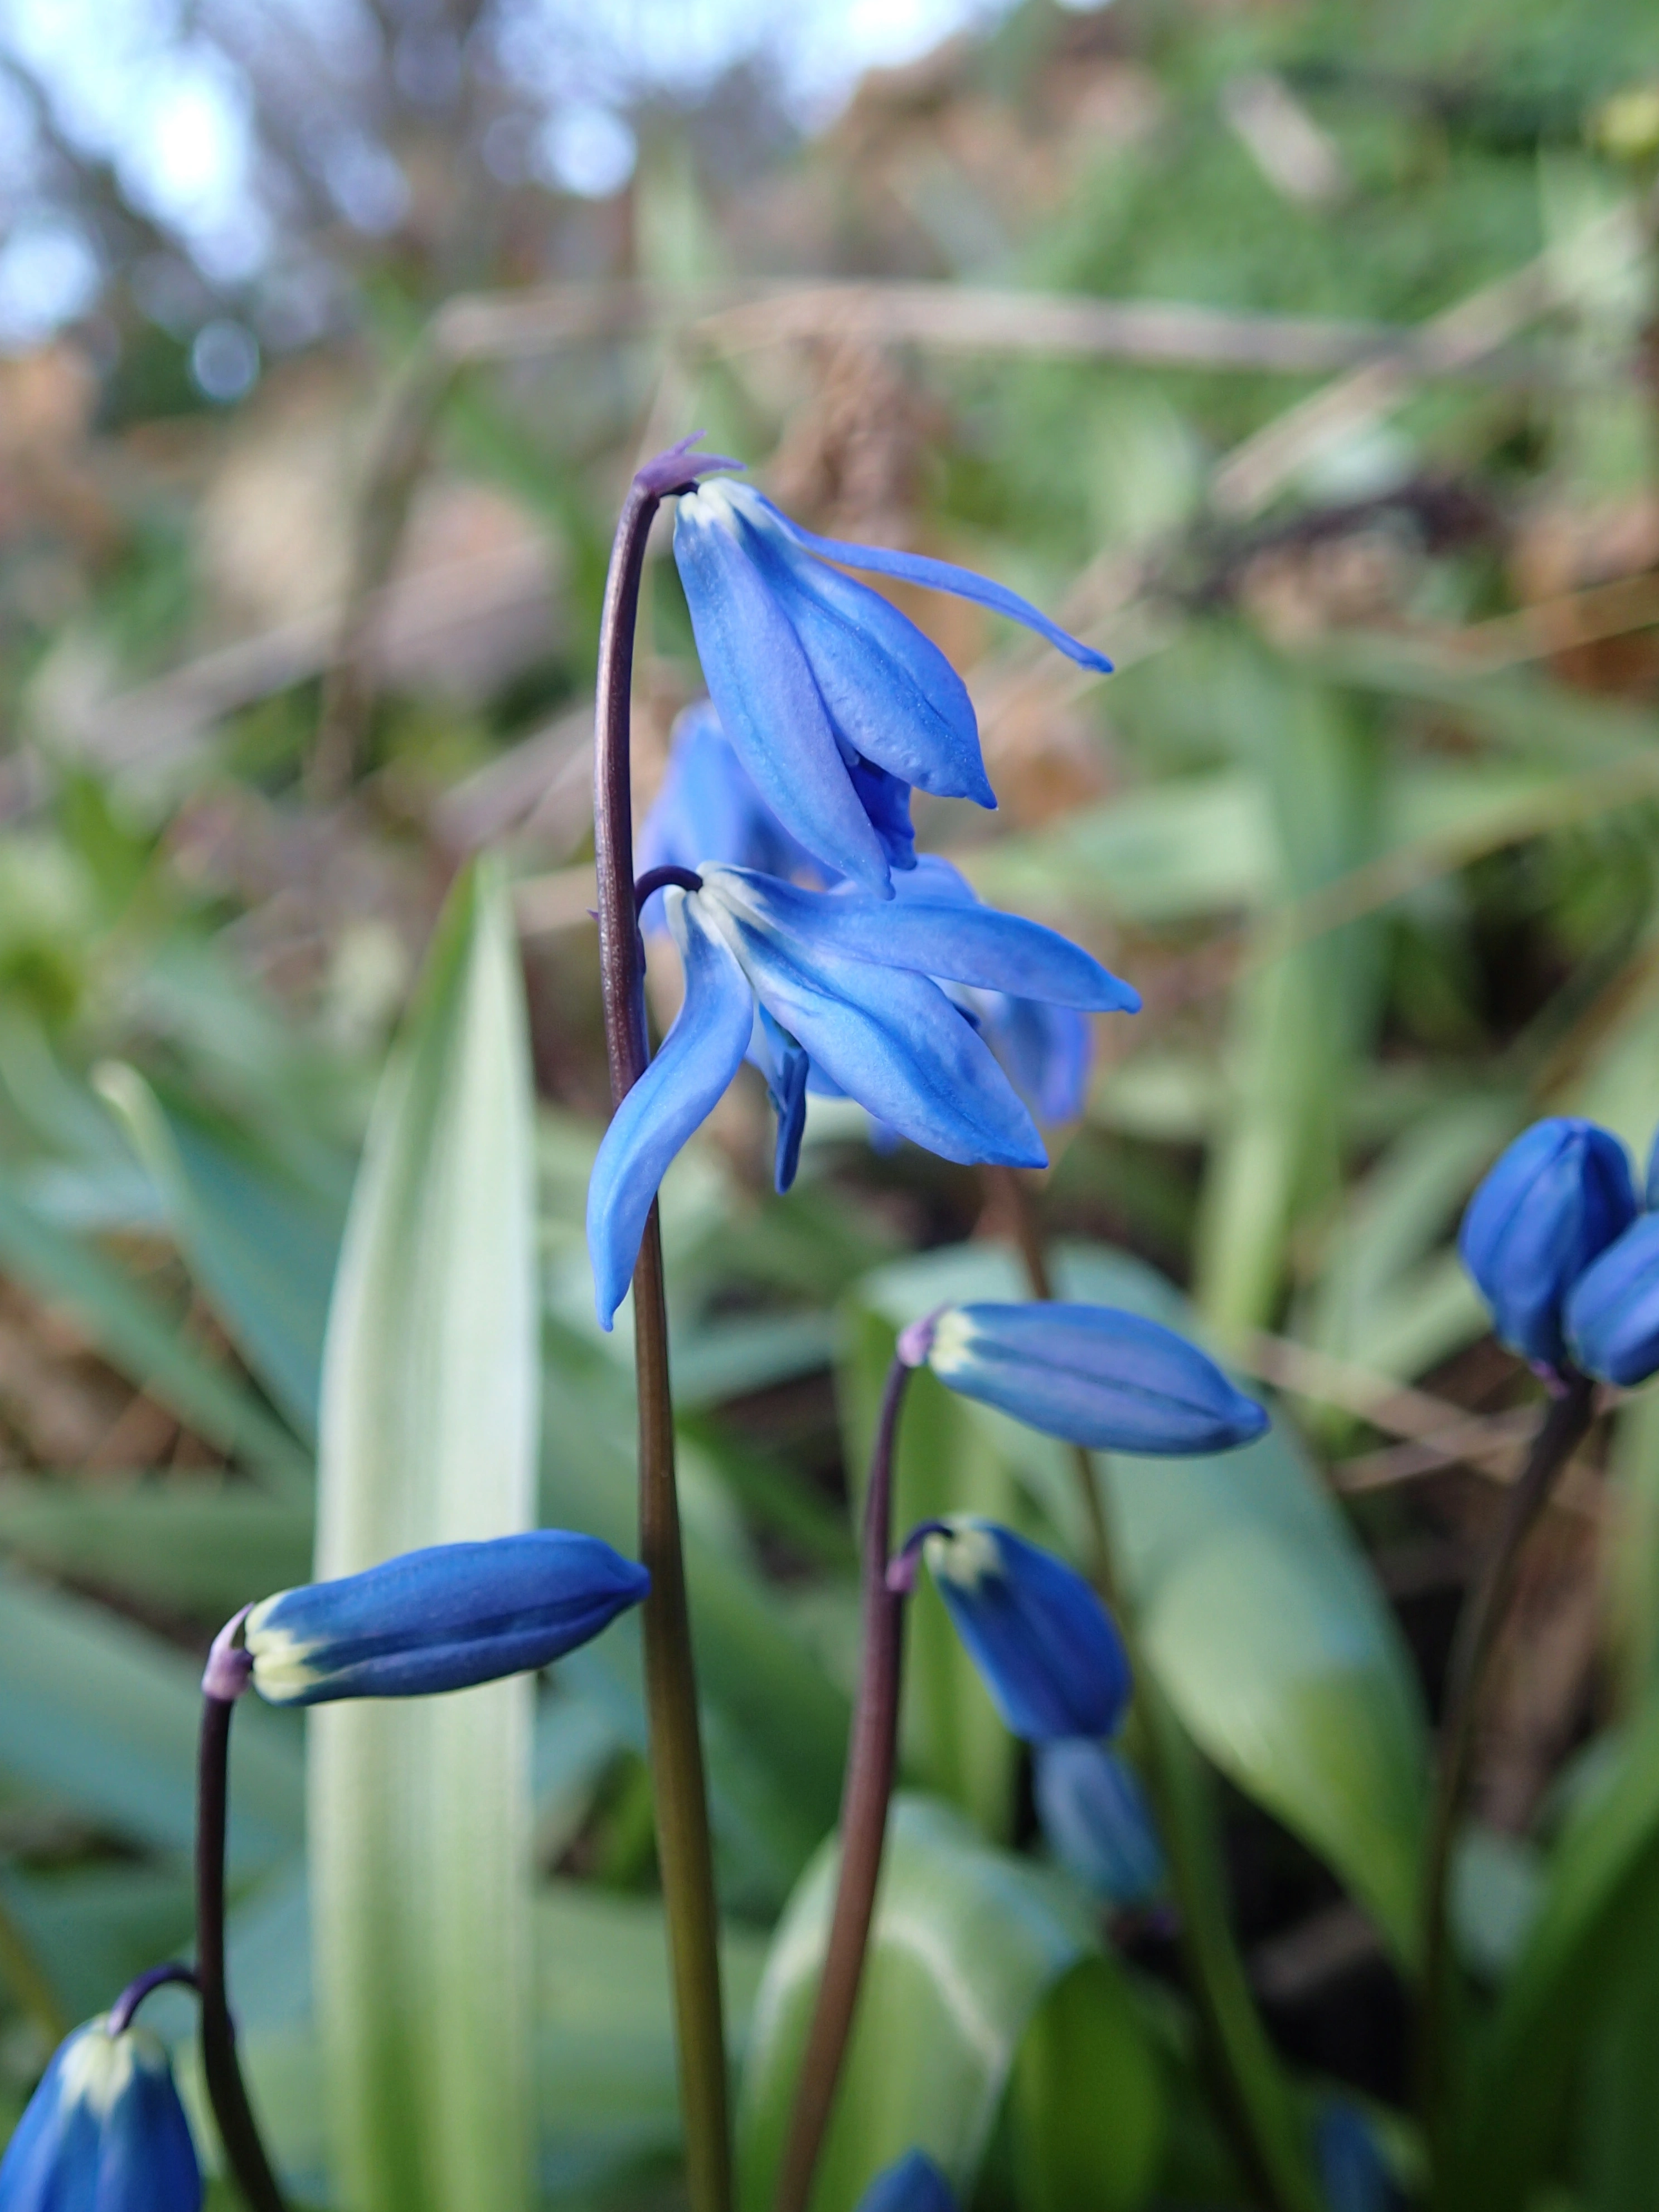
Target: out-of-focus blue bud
[1044,1643]
[709,810]
[1613,1310]
[104,2132]
[439,1619]
[1112,1381]
[912,2184]
[1096,1820]
[1351,2169]
[1558,1196]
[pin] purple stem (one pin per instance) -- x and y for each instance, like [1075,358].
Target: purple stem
[121,2012]
[657,879]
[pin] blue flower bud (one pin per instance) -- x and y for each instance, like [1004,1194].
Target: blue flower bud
[440,1619]
[1096,1821]
[1043,1642]
[104,2132]
[1350,2170]
[1613,1310]
[1558,1196]
[912,2184]
[1113,1380]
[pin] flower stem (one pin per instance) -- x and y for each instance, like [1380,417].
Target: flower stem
[245,2153]
[1239,2056]
[122,2011]
[870,1755]
[1565,1420]
[683,1850]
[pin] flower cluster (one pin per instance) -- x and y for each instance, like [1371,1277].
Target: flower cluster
[1566,1255]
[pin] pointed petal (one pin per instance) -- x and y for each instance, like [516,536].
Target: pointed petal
[677,1093]
[768,702]
[892,1041]
[890,692]
[939,937]
[786,1068]
[938,575]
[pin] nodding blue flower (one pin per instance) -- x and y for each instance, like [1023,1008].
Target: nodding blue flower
[1559,1195]
[1109,1380]
[912,2184]
[1352,2173]
[1096,1821]
[440,1619]
[1613,1310]
[848,983]
[1044,1644]
[708,809]
[104,2132]
[830,696]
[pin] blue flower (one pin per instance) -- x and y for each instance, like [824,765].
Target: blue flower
[1042,1641]
[847,982]
[912,2184]
[1112,1381]
[1352,2173]
[830,696]
[708,809]
[1559,1195]
[1613,1310]
[1096,1821]
[440,1619]
[104,2132]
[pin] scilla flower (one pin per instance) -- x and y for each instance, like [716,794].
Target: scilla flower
[1097,1377]
[912,2184]
[1613,1310]
[1042,1641]
[104,2132]
[709,810]
[439,1619]
[1096,1821]
[1559,1195]
[1351,2169]
[847,984]
[836,702]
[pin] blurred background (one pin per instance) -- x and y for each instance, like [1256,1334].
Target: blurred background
[1305,358]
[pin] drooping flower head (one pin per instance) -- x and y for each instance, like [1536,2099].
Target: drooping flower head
[1557,1197]
[1095,1820]
[836,703]
[847,984]
[1098,1377]
[104,2132]
[912,2184]
[440,1619]
[1045,1646]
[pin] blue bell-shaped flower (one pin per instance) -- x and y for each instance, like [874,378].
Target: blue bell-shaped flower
[1352,2172]
[1095,1819]
[1559,1195]
[709,810]
[912,2184]
[439,1619]
[832,697]
[1097,1377]
[1613,1310]
[1044,1644]
[104,2132]
[848,983]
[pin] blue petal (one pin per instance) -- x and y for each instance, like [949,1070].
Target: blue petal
[938,575]
[708,809]
[786,1069]
[440,1619]
[1107,1380]
[891,1040]
[1096,1821]
[1350,2170]
[68,2155]
[940,937]
[768,702]
[1042,1640]
[1558,1195]
[1044,1051]
[677,1093]
[1613,1310]
[890,691]
[1650,1183]
[912,2184]
[886,800]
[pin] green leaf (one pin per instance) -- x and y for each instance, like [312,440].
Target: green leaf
[967,1942]
[261,1240]
[103,1717]
[420,1831]
[191,1542]
[1254,1605]
[1087,2101]
[1598,1877]
[137,1336]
